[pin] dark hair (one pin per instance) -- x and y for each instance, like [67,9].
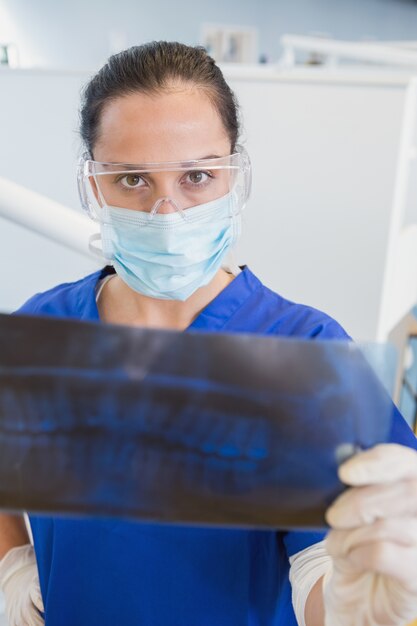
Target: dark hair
[151,68]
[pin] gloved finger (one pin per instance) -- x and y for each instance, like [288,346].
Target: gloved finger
[32,617]
[384,463]
[35,594]
[37,619]
[386,558]
[364,505]
[402,532]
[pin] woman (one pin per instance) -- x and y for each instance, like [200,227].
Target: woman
[167,225]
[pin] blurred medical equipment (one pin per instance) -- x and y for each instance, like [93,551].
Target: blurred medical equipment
[45,216]
[230,44]
[407,379]
[332,52]
[9,55]
[19,581]
[236,430]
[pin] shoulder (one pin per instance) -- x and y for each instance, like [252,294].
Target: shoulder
[282,316]
[66,299]
[306,321]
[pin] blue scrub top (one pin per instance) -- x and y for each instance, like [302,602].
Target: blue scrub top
[111,572]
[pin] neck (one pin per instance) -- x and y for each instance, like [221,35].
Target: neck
[119,304]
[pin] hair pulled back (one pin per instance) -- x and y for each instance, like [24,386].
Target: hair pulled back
[152,68]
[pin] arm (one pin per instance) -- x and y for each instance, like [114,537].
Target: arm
[307,568]
[12,532]
[314,611]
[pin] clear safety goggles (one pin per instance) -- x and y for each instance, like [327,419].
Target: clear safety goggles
[164,187]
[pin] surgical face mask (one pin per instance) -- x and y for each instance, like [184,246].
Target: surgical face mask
[170,256]
[167,255]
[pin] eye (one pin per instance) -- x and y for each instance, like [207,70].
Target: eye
[198,177]
[131,181]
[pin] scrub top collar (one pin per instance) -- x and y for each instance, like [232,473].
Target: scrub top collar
[218,314]
[215,316]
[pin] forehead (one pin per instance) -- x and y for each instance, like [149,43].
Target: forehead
[180,124]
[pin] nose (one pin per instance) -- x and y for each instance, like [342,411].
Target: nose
[165,205]
[163,193]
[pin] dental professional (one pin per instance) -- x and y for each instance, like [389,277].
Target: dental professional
[166,180]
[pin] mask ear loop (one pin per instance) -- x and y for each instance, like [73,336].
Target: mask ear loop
[235,216]
[230,263]
[96,250]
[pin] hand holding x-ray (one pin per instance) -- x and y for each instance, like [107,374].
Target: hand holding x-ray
[373,541]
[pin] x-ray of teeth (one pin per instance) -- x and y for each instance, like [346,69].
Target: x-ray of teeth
[181,427]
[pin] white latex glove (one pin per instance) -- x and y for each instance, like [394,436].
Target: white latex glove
[373,541]
[19,582]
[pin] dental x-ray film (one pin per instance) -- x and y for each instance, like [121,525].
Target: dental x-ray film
[181,427]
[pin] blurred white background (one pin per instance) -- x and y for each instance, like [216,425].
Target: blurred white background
[80,34]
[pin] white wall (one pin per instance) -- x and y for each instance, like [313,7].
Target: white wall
[80,34]
[324,170]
